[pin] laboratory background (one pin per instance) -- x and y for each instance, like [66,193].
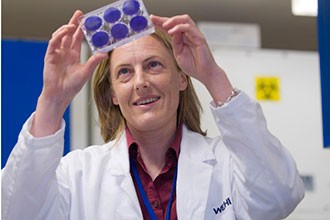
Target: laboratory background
[278,52]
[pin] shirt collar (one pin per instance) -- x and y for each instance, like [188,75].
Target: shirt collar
[175,144]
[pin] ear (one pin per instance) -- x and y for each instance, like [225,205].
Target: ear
[114,99]
[183,81]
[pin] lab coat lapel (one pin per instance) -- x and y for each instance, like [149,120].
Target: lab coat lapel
[120,169]
[195,170]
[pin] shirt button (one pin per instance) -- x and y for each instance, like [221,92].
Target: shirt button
[155,204]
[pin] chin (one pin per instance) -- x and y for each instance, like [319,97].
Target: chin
[147,124]
[149,121]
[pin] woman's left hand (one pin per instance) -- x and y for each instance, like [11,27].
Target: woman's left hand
[193,54]
[189,45]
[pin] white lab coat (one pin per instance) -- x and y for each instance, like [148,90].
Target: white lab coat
[245,174]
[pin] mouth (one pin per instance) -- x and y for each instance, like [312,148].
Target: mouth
[146,101]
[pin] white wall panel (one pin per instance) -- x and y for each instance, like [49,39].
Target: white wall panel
[295,119]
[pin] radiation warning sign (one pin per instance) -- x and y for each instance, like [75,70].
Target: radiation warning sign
[267,88]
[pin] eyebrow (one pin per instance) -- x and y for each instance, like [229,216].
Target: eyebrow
[143,61]
[150,58]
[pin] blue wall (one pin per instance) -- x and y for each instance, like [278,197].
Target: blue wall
[21,84]
[324,51]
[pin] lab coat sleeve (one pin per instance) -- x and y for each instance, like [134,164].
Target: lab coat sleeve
[265,180]
[30,189]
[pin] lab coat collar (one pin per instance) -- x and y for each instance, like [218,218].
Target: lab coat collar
[193,147]
[119,163]
[196,164]
[119,167]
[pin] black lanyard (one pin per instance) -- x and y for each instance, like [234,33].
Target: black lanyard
[143,194]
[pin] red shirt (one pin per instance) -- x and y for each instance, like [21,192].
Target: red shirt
[159,190]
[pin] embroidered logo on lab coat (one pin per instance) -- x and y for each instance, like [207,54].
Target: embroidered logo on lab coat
[222,207]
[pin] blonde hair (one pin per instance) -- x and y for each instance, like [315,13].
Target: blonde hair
[111,120]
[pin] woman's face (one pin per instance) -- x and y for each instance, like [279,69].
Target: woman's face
[146,84]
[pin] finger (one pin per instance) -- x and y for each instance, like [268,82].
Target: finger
[180,29]
[158,22]
[56,40]
[177,39]
[75,17]
[73,21]
[93,61]
[67,39]
[177,42]
[176,20]
[77,40]
[63,27]
[191,34]
[78,35]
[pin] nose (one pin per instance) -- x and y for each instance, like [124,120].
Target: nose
[141,81]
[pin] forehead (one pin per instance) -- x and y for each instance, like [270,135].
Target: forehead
[142,48]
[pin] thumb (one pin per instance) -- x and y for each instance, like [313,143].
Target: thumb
[94,60]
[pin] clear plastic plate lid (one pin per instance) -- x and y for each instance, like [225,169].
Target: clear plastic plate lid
[116,24]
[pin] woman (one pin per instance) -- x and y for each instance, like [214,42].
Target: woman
[156,162]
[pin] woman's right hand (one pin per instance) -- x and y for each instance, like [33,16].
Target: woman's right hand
[64,76]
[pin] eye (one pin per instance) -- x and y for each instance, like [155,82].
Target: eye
[123,71]
[124,74]
[154,64]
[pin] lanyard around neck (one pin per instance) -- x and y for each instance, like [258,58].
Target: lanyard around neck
[143,194]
